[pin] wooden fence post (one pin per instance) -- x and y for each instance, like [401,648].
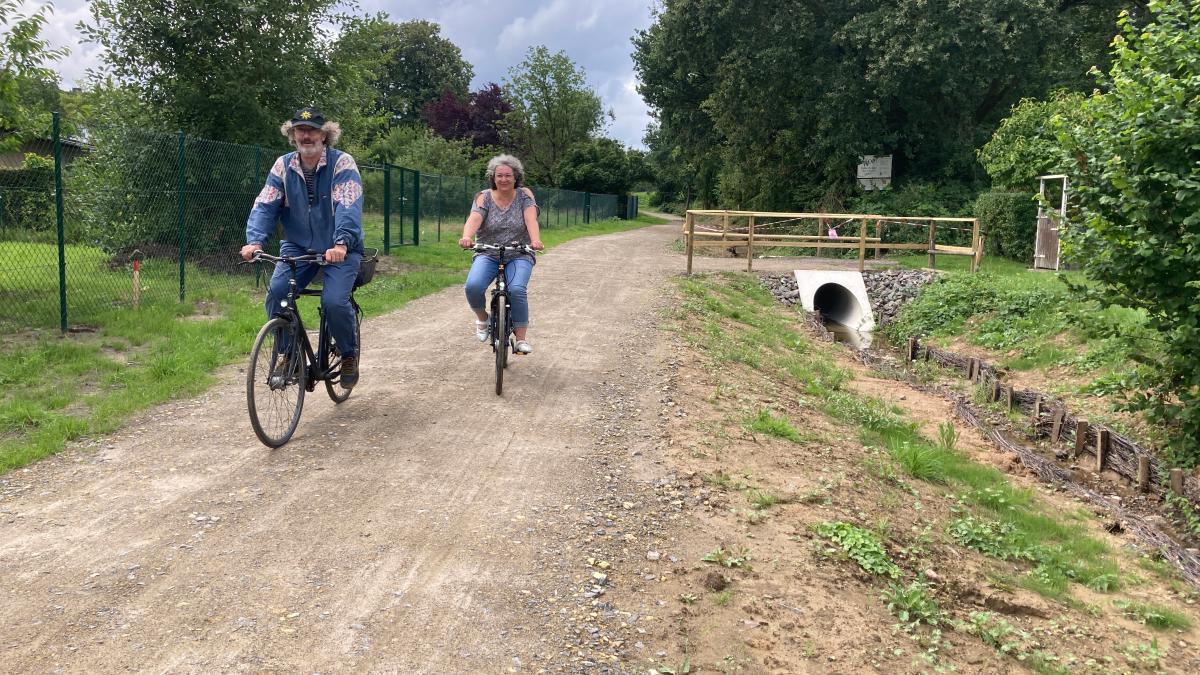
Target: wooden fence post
[976,245]
[929,251]
[1101,448]
[879,236]
[1177,481]
[1056,431]
[1081,429]
[912,349]
[750,248]
[690,221]
[862,245]
[1036,415]
[997,390]
[1143,475]
[1008,397]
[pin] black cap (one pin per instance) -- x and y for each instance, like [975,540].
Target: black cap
[308,117]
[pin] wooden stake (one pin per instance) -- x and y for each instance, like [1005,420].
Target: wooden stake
[1143,476]
[1081,429]
[690,221]
[912,349]
[1101,448]
[996,390]
[879,236]
[1177,481]
[1056,430]
[862,245]
[750,247]
[1008,397]
[1037,411]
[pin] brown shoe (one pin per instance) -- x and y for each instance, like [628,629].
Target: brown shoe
[349,376]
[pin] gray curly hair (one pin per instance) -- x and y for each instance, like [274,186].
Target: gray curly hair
[506,160]
[332,131]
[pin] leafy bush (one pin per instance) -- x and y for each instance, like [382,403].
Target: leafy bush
[1009,223]
[1026,145]
[1137,183]
[27,197]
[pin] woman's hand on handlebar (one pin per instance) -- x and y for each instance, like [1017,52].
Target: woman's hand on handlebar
[465,242]
[537,245]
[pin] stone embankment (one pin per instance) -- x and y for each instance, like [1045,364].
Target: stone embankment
[889,290]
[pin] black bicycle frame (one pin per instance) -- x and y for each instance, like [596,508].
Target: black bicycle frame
[291,313]
[500,294]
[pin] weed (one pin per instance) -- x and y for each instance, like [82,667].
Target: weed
[992,538]
[719,478]
[919,461]
[913,604]
[1149,655]
[1185,515]
[861,546]
[722,599]
[725,558]
[765,422]
[761,499]
[1154,616]
[947,436]
[688,598]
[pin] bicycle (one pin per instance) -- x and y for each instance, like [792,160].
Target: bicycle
[500,314]
[283,365]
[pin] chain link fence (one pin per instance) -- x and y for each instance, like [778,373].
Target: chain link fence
[133,217]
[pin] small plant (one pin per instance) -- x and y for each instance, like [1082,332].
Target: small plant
[1105,583]
[761,499]
[1185,515]
[995,632]
[912,604]
[1154,616]
[764,422]
[685,667]
[947,436]
[719,478]
[688,598]
[992,538]
[861,546]
[1149,655]
[730,559]
[722,599]
[919,461]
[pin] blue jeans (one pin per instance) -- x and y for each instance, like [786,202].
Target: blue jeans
[335,293]
[516,275]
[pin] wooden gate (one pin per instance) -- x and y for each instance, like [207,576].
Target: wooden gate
[1045,250]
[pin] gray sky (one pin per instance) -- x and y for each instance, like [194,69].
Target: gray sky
[493,35]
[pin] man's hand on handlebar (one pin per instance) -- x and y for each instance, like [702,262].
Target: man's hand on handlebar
[335,254]
[249,250]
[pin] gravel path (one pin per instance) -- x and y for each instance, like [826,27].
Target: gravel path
[426,525]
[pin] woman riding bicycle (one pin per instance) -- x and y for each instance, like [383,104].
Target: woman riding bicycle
[505,214]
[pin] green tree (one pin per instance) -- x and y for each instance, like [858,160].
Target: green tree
[602,165]
[28,87]
[1026,145]
[412,65]
[418,147]
[221,69]
[553,110]
[771,104]
[1137,188]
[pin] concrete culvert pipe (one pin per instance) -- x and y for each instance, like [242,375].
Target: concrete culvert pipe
[837,303]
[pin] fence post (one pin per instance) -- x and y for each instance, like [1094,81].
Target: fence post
[416,207]
[929,252]
[403,176]
[587,208]
[58,216]
[387,208]
[879,236]
[690,220]
[182,242]
[439,208]
[862,245]
[750,247]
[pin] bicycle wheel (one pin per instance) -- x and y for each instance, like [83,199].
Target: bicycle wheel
[335,389]
[276,380]
[500,340]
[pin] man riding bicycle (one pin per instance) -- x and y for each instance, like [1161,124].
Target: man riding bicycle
[316,192]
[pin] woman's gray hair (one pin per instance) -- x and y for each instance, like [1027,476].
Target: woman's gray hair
[332,130]
[509,161]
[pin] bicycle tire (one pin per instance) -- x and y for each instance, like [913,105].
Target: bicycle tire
[275,400]
[500,341]
[336,391]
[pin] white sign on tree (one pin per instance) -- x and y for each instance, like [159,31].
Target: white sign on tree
[875,172]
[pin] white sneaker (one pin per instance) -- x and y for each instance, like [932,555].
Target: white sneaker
[481,330]
[523,347]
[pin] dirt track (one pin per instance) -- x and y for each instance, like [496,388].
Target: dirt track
[419,527]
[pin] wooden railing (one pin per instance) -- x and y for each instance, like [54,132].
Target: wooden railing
[725,229]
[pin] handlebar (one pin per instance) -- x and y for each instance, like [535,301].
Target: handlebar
[501,248]
[262,256]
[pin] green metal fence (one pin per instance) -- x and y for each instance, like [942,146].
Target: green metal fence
[145,218]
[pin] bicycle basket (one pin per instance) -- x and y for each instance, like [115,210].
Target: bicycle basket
[366,271]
